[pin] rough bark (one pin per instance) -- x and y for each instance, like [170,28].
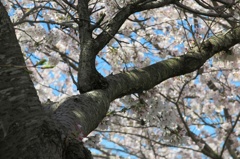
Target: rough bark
[88,77]
[26,131]
[138,80]
[21,117]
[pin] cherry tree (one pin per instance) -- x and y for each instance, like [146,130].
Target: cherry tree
[123,78]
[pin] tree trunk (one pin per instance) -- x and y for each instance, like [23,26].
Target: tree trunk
[26,131]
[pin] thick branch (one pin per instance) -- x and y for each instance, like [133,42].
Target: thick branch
[88,77]
[143,79]
[84,20]
[86,110]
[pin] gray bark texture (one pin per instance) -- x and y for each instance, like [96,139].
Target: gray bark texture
[28,131]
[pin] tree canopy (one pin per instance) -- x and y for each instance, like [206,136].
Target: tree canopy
[125,78]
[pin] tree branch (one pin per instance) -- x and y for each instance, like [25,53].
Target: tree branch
[88,77]
[228,135]
[86,110]
[143,79]
[115,23]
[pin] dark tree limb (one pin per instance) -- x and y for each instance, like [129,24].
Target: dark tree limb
[146,78]
[88,77]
